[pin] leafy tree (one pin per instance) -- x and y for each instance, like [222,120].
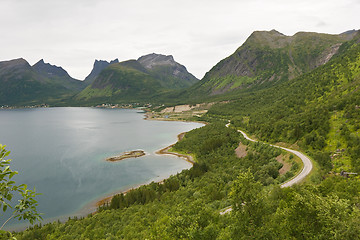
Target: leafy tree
[26,207]
[247,198]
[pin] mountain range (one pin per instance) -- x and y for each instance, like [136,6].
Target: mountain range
[137,80]
[23,84]
[265,59]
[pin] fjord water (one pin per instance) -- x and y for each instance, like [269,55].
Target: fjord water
[61,152]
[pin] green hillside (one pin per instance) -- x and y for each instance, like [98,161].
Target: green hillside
[319,110]
[167,71]
[267,58]
[148,79]
[22,85]
[121,82]
[188,205]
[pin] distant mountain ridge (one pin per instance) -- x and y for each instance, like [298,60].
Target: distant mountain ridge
[50,70]
[58,75]
[22,84]
[138,79]
[47,83]
[270,56]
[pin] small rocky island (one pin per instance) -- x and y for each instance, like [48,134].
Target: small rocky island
[131,154]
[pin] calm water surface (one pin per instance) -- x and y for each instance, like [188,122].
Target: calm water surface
[61,152]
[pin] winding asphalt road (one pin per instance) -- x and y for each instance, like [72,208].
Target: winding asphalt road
[305,159]
[297,179]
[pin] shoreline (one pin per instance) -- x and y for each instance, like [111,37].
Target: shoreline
[163,151]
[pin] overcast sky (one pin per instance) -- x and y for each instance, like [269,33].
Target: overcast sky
[198,33]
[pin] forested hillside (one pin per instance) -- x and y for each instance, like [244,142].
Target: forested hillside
[318,110]
[188,205]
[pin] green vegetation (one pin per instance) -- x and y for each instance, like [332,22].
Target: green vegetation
[266,58]
[286,96]
[319,111]
[188,205]
[26,207]
[22,85]
[165,75]
[126,81]
[130,81]
[27,90]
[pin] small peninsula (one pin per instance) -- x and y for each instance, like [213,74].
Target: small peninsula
[131,154]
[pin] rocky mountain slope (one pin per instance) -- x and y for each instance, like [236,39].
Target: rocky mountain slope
[267,57]
[58,75]
[171,74]
[99,65]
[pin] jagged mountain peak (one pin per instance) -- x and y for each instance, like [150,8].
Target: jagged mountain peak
[41,62]
[100,61]
[98,66]
[49,69]
[58,75]
[114,61]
